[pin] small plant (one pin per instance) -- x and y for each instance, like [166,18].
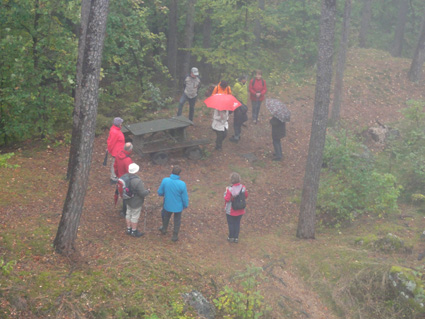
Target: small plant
[4,158]
[6,267]
[245,303]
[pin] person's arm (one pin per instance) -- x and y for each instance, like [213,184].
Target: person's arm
[185,197]
[250,88]
[215,91]
[141,191]
[227,195]
[161,189]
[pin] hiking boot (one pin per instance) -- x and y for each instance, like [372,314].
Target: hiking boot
[136,233]
[230,240]
[277,159]
[162,230]
[233,139]
[175,237]
[128,231]
[236,240]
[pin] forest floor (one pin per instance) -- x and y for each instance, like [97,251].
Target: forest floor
[155,268]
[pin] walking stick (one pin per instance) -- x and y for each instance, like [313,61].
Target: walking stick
[144,226]
[105,160]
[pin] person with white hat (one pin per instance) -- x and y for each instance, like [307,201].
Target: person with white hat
[135,203]
[191,87]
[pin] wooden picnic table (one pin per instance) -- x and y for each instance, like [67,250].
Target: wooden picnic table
[161,136]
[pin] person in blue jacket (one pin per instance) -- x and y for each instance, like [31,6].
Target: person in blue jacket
[175,200]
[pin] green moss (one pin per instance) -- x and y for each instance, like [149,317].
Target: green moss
[409,285]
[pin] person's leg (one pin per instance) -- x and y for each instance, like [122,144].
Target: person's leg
[255,110]
[219,139]
[165,221]
[133,215]
[237,227]
[192,108]
[177,222]
[258,109]
[181,103]
[229,225]
[277,149]
[114,177]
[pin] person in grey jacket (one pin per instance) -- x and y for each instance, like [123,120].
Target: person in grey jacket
[191,85]
[134,204]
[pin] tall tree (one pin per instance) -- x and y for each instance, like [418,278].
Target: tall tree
[340,66]
[172,45]
[206,43]
[415,73]
[85,130]
[397,45]
[73,150]
[259,22]
[365,23]
[307,216]
[189,34]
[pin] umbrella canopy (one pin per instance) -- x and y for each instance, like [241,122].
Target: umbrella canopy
[278,110]
[222,102]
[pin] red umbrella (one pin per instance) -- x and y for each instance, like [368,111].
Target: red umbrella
[222,102]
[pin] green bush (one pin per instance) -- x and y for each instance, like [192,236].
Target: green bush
[247,302]
[406,149]
[4,158]
[350,184]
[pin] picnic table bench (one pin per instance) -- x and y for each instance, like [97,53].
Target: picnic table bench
[159,137]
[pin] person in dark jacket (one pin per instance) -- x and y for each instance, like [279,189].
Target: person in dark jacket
[176,199]
[278,131]
[134,204]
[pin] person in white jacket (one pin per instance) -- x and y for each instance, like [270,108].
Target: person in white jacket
[220,125]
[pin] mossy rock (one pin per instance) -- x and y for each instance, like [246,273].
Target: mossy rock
[389,243]
[409,286]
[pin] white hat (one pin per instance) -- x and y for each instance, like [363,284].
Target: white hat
[195,71]
[133,168]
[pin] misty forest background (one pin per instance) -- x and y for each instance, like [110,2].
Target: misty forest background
[151,45]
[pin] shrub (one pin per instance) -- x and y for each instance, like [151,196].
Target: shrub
[350,184]
[406,150]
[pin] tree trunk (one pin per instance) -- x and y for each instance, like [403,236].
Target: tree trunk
[189,34]
[415,73]
[172,39]
[340,66]
[85,9]
[365,24]
[258,23]
[89,86]
[206,43]
[397,46]
[307,216]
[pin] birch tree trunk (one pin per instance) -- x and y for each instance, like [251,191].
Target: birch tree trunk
[307,216]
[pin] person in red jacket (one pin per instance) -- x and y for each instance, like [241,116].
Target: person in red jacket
[257,89]
[122,162]
[234,216]
[115,144]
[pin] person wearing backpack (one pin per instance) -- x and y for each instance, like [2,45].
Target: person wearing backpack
[176,199]
[137,192]
[235,202]
[191,86]
[257,89]
[240,91]
[122,162]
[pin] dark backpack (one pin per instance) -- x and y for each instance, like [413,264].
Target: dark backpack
[124,186]
[239,201]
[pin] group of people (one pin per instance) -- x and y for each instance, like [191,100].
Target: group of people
[257,89]
[172,188]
